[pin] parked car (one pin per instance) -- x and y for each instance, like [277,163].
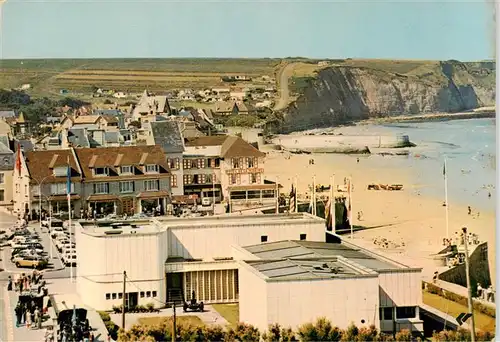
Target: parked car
[32,262]
[206,201]
[63,243]
[69,259]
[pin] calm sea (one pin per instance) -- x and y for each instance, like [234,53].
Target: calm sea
[469,148]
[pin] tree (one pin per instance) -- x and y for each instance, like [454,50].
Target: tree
[276,333]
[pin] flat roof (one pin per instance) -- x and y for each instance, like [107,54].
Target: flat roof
[161,224]
[307,269]
[309,249]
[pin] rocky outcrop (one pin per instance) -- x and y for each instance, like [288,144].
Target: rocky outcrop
[343,94]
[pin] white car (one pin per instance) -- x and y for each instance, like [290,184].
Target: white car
[62,244]
[68,259]
[206,201]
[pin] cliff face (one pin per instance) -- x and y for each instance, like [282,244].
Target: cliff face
[343,94]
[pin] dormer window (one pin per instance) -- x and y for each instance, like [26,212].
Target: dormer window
[153,168]
[60,171]
[101,171]
[126,170]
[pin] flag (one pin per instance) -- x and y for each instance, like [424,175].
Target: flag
[444,169]
[328,215]
[293,198]
[68,182]
[18,159]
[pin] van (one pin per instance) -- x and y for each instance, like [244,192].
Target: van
[206,201]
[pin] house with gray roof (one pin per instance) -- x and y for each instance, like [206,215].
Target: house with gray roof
[167,134]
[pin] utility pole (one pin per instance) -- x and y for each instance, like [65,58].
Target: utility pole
[124,298]
[469,289]
[174,323]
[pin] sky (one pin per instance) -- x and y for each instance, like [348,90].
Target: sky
[441,29]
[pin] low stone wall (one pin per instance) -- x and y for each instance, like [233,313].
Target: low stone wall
[315,142]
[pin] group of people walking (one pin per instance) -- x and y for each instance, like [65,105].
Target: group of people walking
[27,311]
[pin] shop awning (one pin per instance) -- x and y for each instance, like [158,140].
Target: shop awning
[254,187]
[58,198]
[153,194]
[188,199]
[102,198]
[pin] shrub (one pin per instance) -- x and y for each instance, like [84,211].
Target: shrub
[111,327]
[276,333]
[404,335]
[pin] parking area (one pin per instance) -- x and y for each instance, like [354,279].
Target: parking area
[37,247]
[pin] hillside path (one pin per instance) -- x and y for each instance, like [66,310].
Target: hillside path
[285,73]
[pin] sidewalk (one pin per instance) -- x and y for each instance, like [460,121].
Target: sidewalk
[460,290]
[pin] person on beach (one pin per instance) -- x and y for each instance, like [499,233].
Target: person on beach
[28,319]
[469,210]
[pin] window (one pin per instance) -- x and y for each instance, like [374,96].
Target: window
[303,237]
[186,163]
[148,293]
[173,163]
[60,171]
[386,314]
[113,295]
[108,296]
[2,178]
[194,163]
[126,170]
[120,295]
[404,312]
[173,181]
[127,186]
[263,238]
[201,163]
[254,178]
[101,171]
[60,188]
[236,163]
[2,195]
[152,185]
[154,293]
[232,179]
[101,188]
[142,294]
[188,179]
[250,163]
[152,168]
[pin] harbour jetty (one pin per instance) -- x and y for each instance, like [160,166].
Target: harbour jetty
[326,143]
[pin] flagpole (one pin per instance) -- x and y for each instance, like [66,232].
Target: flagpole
[314,196]
[350,207]
[296,209]
[332,203]
[446,199]
[70,228]
[277,196]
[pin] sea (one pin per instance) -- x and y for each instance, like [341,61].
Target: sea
[469,147]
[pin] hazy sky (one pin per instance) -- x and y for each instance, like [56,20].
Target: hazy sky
[450,29]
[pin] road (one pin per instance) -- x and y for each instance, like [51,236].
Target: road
[56,277]
[285,73]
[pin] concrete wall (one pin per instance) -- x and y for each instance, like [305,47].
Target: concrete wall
[292,303]
[252,298]
[401,288]
[479,269]
[197,242]
[312,142]
[102,260]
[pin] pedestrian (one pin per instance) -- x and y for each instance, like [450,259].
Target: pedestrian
[9,286]
[469,210]
[38,321]
[28,318]
[18,312]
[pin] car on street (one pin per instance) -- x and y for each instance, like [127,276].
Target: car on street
[206,201]
[66,258]
[61,244]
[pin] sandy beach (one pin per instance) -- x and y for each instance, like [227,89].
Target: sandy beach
[400,216]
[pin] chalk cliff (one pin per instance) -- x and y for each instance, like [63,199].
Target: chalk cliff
[346,93]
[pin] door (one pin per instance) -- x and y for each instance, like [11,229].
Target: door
[132,300]
[128,206]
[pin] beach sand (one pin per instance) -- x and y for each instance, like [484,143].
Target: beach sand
[399,216]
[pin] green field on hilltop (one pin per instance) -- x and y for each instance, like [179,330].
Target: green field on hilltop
[48,76]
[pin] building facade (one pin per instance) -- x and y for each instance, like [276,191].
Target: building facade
[232,166]
[113,180]
[193,254]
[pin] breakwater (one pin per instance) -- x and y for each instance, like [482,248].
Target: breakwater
[340,143]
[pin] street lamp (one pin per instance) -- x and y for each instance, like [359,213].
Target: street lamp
[40,210]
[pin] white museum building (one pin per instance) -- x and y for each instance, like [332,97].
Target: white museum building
[273,265]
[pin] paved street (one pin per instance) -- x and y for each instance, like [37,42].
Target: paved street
[57,278]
